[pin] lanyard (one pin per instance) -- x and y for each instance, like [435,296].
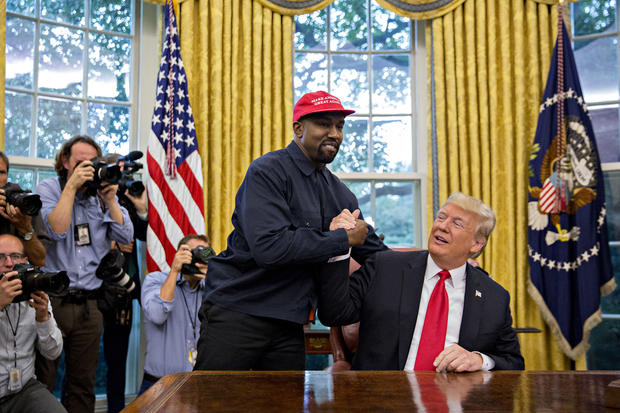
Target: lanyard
[14,330]
[193,322]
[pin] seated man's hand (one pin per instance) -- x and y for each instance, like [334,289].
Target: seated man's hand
[9,288]
[39,301]
[357,235]
[456,359]
[345,220]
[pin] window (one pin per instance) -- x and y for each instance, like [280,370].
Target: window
[367,56]
[69,71]
[595,42]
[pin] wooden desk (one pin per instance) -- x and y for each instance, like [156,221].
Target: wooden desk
[376,390]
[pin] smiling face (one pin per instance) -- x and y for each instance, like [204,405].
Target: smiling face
[453,237]
[319,136]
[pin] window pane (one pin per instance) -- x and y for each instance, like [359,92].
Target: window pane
[610,304]
[109,126]
[363,194]
[350,81]
[391,84]
[19,52]
[597,64]
[349,25]
[310,30]
[310,73]
[612,201]
[18,123]
[353,153]
[394,212]
[60,60]
[111,15]
[57,121]
[392,144]
[604,353]
[65,11]
[21,6]
[389,31]
[23,177]
[109,69]
[605,124]
[44,174]
[593,16]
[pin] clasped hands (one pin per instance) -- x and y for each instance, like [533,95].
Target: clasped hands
[455,358]
[356,228]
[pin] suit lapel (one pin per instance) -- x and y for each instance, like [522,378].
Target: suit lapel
[412,282]
[472,309]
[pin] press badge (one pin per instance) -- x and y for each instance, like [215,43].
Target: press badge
[193,354]
[15,380]
[82,234]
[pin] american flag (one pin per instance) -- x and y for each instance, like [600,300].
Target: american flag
[174,181]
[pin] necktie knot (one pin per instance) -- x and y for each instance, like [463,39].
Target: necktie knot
[443,275]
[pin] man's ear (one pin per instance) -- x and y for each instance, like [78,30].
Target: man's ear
[478,244]
[298,129]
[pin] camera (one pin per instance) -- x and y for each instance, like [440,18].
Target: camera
[104,172]
[33,279]
[200,254]
[111,270]
[27,202]
[127,181]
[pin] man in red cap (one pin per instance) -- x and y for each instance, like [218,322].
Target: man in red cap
[292,216]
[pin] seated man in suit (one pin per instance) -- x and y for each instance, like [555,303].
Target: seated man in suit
[427,310]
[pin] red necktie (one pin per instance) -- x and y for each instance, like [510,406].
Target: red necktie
[433,336]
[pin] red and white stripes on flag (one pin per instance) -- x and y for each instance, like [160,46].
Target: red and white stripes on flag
[174,182]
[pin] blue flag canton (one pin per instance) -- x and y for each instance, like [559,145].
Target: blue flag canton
[172,118]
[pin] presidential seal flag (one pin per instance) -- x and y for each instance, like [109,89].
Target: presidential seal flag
[175,196]
[570,266]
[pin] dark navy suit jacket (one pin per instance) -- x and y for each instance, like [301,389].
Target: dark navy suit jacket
[384,295]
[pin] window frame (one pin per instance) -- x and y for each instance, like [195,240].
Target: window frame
[419,106]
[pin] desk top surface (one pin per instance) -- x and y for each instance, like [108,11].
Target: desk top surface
[378,390]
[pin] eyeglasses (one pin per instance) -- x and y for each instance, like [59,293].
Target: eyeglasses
[14,257]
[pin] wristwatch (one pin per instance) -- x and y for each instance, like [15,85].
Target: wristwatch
[27,236]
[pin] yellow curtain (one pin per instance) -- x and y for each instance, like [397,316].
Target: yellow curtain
[238,59]
[488,62]
[2,68]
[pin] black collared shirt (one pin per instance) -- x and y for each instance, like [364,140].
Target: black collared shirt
[281,233]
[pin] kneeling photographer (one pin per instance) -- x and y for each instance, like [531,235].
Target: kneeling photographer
[26,323]
[117,324]
[82,215]
[19,215]
[170,302]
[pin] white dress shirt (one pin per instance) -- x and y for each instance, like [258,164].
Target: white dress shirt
[455,287]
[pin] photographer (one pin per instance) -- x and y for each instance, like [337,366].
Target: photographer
[23,326]
[117,325]
[13,221]
[83,217]
[170,303]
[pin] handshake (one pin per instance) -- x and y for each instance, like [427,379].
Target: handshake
[355,227]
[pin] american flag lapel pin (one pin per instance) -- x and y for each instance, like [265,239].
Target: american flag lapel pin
[478,294]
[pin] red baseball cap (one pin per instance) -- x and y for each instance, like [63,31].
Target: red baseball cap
[320,101]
